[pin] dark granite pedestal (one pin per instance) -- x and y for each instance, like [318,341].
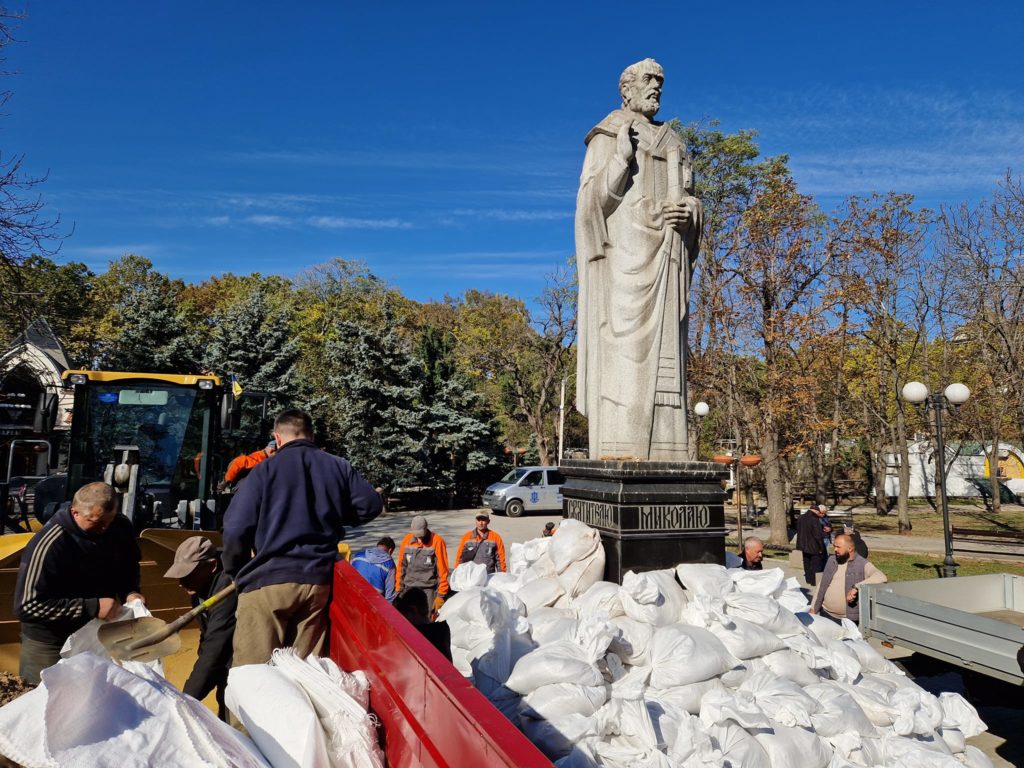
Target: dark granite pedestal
[651,514]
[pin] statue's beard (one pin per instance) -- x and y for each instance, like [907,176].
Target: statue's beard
[646,106]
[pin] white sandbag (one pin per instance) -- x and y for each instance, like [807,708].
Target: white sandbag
[86,639]
[583,755]
[682,654]
[721,706]
[813,653]
[355,683]
[975,758]
[705,578]
[873,703]
[763,611]
[574,541]
[793,747]
[735,677]
[463,606]
[633,643]
[920,713]
[601,597]
[954,738]
[768,582]
[782,700]
[683,699]
[540,593]
[560,699]
[824,629]
[791,666]
[744,639]
[738,747]
[845,663]
[870,659]
[615,754]
[958,713]
[508,646]
[653,597]
[553,631]
[278,715]
[91,713]
[905,752]
[594,634]
[467,576]
[693,746]
[793,599]
[556,737]
[350,732]
[579,576]
[561,662]
[838,712]
[625,716]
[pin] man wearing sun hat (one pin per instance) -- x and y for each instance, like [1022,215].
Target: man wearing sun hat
[423,562]
[198,570]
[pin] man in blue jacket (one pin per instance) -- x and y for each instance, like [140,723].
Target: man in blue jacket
[281,535]
[378,567]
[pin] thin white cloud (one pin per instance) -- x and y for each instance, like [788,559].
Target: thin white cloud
[113,251]
[267,220]
[513,214]
[347,222]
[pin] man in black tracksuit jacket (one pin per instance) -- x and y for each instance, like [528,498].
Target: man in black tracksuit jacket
[82,565]
[291,512]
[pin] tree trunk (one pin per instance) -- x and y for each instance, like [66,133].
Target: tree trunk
[902,505]
[880,471]
[774,485]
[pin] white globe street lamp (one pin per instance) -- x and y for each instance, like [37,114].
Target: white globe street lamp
[952,396]
[701,409]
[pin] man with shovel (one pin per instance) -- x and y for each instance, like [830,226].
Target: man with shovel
[198,570]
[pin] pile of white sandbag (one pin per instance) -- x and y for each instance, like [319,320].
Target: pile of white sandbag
[89,711]
[305,713]
[728,669]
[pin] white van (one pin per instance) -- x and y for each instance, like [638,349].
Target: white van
[526,489]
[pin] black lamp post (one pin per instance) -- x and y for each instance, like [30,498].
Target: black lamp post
[951,397]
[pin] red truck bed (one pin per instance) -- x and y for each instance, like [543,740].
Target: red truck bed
[430,714]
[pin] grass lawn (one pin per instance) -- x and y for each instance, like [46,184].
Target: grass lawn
[900,567]
[928,522]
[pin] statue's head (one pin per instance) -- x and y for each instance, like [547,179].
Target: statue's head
[640,86]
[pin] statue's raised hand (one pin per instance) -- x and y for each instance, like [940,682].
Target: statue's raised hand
[625,142]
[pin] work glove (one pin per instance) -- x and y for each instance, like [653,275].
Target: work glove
[438,602]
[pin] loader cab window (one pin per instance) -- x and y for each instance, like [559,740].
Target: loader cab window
[169,425]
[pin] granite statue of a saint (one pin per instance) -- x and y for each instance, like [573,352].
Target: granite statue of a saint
[638,231]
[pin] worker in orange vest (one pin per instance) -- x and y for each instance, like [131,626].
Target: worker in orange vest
[423,562]
[241,466]
[482,545]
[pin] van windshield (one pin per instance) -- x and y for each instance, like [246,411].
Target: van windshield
[515,475]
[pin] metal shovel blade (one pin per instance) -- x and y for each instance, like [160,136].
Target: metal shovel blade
[117,635]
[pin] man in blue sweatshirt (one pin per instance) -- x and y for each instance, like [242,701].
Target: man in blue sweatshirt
[281,535]
[378,567]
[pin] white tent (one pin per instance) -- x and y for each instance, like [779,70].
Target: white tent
[968,464]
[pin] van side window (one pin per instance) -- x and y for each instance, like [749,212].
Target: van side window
[534,478]
[555,477]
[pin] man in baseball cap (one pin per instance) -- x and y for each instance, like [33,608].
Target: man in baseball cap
[423,562]
[482,545]
[198,570]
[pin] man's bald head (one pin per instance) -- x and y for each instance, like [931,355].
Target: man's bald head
[844,548]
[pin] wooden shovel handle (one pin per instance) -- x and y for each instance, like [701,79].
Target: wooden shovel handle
[181,621]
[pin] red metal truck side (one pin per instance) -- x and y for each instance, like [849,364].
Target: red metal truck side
[430,714]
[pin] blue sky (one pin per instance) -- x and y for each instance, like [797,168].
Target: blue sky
[441,143]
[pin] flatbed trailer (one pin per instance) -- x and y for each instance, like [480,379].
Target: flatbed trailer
[430,715]
[974,622]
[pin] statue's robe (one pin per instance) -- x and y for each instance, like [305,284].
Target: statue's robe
[634,274]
